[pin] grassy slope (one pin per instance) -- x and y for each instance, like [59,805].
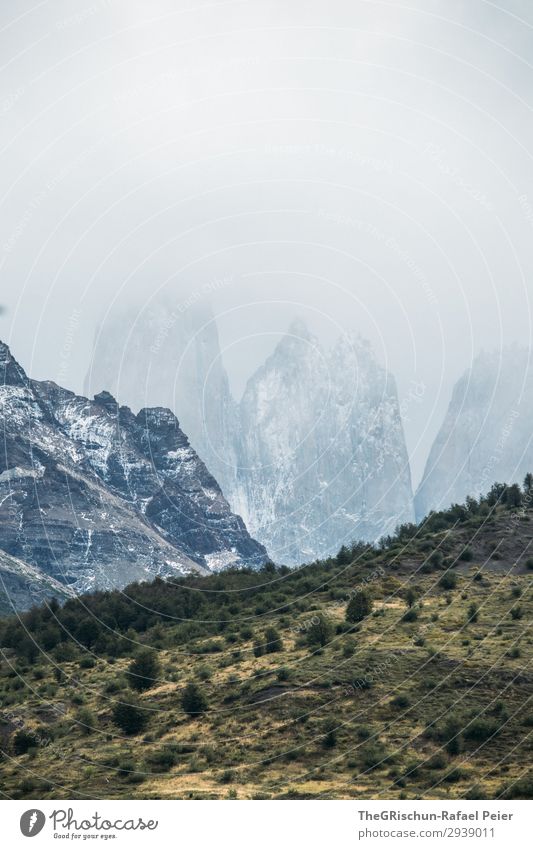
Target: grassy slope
[265,733]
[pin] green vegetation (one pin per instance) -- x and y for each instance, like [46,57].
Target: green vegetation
[395,670]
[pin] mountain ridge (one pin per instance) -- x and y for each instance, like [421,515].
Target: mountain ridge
[94,495]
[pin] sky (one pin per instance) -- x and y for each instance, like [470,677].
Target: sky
[364,165]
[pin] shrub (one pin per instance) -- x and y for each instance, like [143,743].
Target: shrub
[472,615]
[130,717]
[348,648]
[359,607]
[401,701]
[320,631]
[144,670]
[466,554]
[86,721]
[436,559]
[410,615]
[516,612]
[273,641]
[23,741]
[161,760]
[448,581]
[438,761]
[193,700]
[481,729]
[330,732]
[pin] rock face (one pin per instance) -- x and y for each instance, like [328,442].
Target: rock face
[324,458]
[486,434]
[314,454]
[22,585]
[95,496]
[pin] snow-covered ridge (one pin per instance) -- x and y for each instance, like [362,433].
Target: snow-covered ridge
[96,496]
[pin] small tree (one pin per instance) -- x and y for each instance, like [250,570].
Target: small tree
[320,631]
[513,496]
[473,612]
[193,700]
[359,607]
[330,732]
[144,670]
[410,596]
[528,485]
[129,716]
[273,641]
[344,556]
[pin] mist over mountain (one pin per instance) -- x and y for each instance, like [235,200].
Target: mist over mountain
[486,434]
[311,457]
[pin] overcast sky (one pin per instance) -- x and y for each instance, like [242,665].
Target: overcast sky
[365,165]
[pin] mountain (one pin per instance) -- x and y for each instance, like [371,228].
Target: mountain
[22,585]
[486,433]
[95,496]
[323,453]
[168,355]
[313,455]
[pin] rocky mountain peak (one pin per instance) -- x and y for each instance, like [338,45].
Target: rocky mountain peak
[11,373]
[107,401]
[94,499]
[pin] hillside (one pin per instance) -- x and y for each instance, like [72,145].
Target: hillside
[427,695]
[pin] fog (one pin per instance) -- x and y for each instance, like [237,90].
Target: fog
[362,165]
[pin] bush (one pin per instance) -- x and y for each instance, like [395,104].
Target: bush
[161,760]
[481,729]
[516,612]
[23,741]
[144,670]
[130,717]
[273,641]
[193,700]
[472,615]
[320,632]
[438,761]
[401,701]
[466,554]
[410,615]
[86,721]
[448,581]
[330,732]
[359,607]
[259,650]
[348,648]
